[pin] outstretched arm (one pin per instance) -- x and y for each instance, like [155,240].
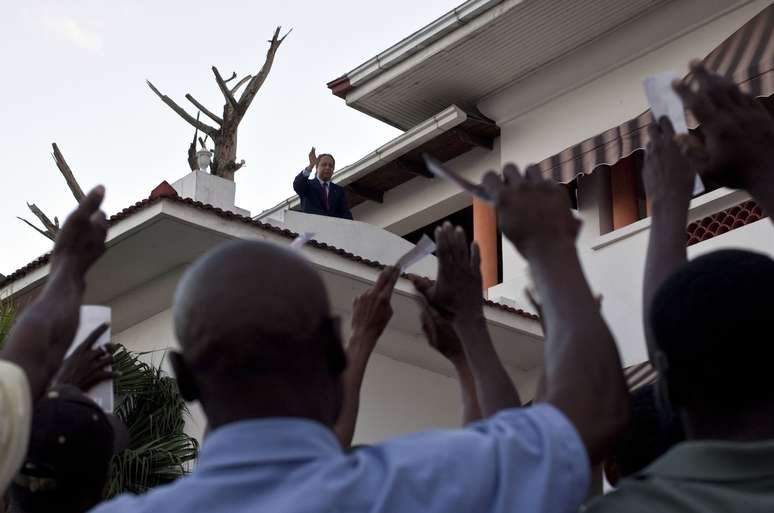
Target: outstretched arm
[582,367]
[457,294]
[39,339]
[441,337]
[668,181]
[370,314]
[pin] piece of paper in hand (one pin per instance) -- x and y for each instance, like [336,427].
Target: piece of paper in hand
[424,247]
[664,101]
[92,317]
[439,170]
[301,239]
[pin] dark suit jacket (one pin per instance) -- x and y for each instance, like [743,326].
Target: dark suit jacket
[313,197]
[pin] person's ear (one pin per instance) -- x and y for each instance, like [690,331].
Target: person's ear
[185,380]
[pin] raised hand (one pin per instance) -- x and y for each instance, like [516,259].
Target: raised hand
[81,241]
[667,174]
[86,366]
[312,158]
[457,290]
[371,311]
[534,213]
[739,133]
[456,297]
[441,336]
[40,338]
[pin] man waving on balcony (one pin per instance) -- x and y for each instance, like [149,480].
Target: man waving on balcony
[321,196]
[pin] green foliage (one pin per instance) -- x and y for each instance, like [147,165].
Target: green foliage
[151,407]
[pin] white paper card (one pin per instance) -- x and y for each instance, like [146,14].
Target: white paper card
[92,317]
[439,170]
[424,247]
[301,239]
[664,101]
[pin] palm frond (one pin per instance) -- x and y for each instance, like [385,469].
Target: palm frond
[149,403]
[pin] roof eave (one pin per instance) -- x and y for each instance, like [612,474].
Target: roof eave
[405,48]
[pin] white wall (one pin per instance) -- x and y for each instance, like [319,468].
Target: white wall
[356,237]
[614,270]
[601,104]
[614,264]
[397,397]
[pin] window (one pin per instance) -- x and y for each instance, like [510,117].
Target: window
[463,218]
[621,193]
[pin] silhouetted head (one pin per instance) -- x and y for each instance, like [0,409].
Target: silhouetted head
[257,336]
[325,166]
[710,322]
[648,436]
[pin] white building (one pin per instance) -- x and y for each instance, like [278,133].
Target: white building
[560,84]
[492,81]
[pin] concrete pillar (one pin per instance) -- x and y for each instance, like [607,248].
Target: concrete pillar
[485,234]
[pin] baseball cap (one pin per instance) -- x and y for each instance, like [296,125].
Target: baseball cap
[72,439]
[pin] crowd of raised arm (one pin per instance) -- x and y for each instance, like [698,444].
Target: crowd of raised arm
[260,349]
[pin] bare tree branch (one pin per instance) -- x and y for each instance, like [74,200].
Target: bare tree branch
[240,83]
[204,109]
[181,112]
[232,77]
[72,183]
[224,89]
[45,234]
[257,81]
[192,164]
[47,223]
[203,142]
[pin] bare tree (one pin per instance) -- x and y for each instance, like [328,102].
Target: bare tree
[225,136]
[52,227]
[192,160]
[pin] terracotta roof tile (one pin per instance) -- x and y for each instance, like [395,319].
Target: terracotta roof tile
[140,205]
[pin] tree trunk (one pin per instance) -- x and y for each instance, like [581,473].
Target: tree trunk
[225,153]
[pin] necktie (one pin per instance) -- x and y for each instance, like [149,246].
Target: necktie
[327,202]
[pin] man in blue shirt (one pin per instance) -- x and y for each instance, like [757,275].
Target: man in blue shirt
[321,196]
[262,352]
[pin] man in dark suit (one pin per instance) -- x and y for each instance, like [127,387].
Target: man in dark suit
[321,196]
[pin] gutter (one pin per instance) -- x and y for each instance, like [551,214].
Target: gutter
[419,40]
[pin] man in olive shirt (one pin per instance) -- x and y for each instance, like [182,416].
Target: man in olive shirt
[707,322]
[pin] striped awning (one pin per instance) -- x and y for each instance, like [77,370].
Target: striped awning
[639,375]
[747,57]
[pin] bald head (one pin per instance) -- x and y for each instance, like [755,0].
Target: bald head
[252,310]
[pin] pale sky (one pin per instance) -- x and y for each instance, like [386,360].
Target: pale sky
[74,73]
